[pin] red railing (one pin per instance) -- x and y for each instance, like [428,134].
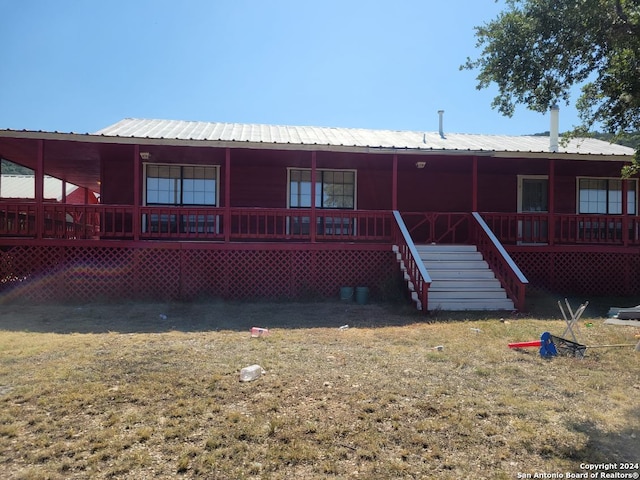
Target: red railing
[329,225]
[505,269]
[437,227]
[18,219]
[564,229]
[413,265]
[66,221]
[180,223]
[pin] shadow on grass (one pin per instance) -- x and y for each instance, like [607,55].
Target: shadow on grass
[544,305]
[216,315]
[610,447]
[202,316]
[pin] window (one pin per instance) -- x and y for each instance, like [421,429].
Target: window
[534,195]
[180,185]
[334,189]
[604,196]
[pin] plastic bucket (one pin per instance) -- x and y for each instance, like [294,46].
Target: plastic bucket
[362,295]
[346,294]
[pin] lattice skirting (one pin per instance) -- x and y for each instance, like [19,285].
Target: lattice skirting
[81,274]
[582,273]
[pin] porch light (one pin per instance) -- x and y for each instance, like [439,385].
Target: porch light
[420,164]
[145,155]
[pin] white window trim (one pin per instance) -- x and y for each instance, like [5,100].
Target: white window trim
[144,181]
[355,185]
[521,178]
[635,180]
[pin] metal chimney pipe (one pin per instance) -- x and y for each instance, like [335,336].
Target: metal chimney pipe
[440,126]
[554,128]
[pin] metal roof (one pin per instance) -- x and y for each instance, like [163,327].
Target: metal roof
[349,138]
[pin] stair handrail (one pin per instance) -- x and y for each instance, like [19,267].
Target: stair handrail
[509,274]
[411,258]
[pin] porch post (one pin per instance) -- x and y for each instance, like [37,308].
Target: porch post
[136,193]
[625,213]
[474,184]
[552,201]
[394,183]
[226,224]
[39,193]
[312,220]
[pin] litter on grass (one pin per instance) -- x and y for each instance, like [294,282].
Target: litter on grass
[250,373]
[259,332]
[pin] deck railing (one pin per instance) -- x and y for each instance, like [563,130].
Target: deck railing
[65,221]
[89,222]
[510,276]
[18,219]
[437,227]
[564,229]
[413,265]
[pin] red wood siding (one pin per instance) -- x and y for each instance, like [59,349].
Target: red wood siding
[117,181]
[444,185]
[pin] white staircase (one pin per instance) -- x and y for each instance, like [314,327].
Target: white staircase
[460,279]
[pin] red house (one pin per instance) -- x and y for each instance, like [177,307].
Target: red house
[191,209]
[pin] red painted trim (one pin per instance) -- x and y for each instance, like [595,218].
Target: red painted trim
[552,199]
[572,249]
[234,246]
[474,184]
[227,195]
[39,185]
[625,210]
[394,183]
[312,226]
[137,197]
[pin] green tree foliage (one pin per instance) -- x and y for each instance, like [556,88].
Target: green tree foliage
[10,168]
[536,51]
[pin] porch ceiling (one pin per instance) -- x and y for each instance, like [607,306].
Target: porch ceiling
[75,162]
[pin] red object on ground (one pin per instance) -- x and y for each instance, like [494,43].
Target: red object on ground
[535,343]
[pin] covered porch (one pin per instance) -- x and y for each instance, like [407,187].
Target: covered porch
[399,198]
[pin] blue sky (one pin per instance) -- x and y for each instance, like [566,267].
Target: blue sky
[80,65]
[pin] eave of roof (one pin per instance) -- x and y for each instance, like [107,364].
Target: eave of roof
[171,132]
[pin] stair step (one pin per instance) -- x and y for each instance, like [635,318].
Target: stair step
[457,265]
[449,256]
[466,294]
[449,274]
[460,279]
[478,284]
[445,247]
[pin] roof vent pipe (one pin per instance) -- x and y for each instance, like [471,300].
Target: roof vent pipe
[554,129]
[440,127]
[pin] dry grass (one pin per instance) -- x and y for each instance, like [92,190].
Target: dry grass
[117,392]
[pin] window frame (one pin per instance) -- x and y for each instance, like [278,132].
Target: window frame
[520,200]
[607,192]
[216,170]
[322,171]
